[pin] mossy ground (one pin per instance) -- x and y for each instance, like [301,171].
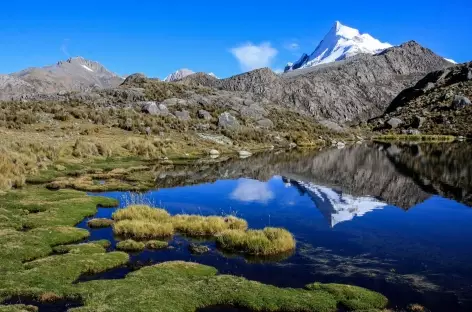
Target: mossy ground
[184,286]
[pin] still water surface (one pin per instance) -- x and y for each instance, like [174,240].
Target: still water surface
[392,218]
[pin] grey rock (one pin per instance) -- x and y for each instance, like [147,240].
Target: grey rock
[254,111]
[198,249]
[214,152]
[203,114]
[292,145]
[148,131]
[182,115]
[429,86]
[460,101]
[411,132]
[244,154]
[215,138]
[418,122]
[265,123]
[228,121]
[394,123]
[150,108]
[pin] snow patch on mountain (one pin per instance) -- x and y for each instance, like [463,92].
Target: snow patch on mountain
[87,68]
[450,61]
[179,74]
[338,207]
[213,75]
[340,42]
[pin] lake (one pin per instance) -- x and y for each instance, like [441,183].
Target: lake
[394,218]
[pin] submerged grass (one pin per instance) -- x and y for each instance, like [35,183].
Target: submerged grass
[266,242]
[156,244]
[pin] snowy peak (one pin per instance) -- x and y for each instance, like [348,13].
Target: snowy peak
[340,42]
[180,74]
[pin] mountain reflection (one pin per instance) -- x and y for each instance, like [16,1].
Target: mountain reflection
[399,175]
[336,206]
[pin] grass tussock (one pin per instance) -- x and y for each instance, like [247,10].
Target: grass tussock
[142,229]
[141,212]
[130,245]
[266,242]
[194,225]
[156,244]
[100,223]
[142,221]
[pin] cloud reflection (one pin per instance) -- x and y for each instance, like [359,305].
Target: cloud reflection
[249,190]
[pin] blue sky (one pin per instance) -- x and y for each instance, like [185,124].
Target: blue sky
[158,37]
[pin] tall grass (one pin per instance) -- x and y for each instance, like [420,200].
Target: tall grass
[142,229]
[266,242]
[141,212]
[194,225]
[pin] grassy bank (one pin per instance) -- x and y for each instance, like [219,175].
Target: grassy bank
[414,138]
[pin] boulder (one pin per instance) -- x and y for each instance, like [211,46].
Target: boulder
[182,115]
[460,101]
[265,123]
[203,114]
[226,120]
[214,152]
[244,154]
[254,111]
[411,131]
[418,122]
[394,123]
[198,249]
[150,108]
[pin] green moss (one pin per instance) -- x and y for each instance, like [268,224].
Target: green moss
[162,287]
[18,308]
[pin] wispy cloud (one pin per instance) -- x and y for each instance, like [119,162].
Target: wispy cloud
[63,48]
[251,56]
[252,191]
[292,46]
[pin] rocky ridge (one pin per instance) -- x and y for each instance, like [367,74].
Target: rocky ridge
[440,103]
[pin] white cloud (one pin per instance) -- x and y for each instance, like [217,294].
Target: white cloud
[251,56]
[278,70]
[292,46]
[252,191]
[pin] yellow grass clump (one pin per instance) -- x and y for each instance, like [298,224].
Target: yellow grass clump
[141,212]
[266,242]
[142,229]
[99,223]
[130,245]
[194,225]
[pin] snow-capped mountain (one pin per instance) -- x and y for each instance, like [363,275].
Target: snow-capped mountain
[180,74]
[340,42]
[336,206]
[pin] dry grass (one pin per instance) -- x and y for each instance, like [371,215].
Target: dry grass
[100,223]
[266,242]
[142,229]
[130,245]
[194,225]
[141,212]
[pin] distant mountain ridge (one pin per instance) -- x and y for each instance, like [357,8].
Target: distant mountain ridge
[340,43]
[73,74]
[182,73]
